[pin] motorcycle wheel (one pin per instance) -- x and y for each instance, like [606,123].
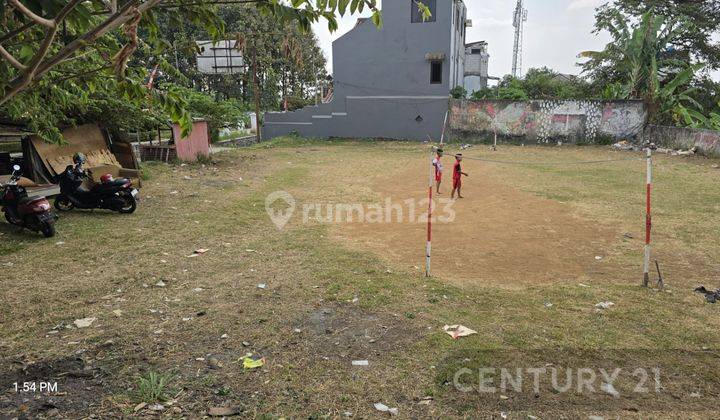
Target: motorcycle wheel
[48,229]
[63,203]
[129,205]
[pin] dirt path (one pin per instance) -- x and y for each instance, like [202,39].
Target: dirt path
[500,236]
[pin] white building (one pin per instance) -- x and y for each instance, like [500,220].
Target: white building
[476,66]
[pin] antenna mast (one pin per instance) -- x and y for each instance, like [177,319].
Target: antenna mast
[519,18]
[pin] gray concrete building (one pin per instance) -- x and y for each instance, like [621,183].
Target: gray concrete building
[389,82]
[476,66]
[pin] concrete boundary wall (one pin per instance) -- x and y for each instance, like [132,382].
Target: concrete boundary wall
[707,141]
[544,121]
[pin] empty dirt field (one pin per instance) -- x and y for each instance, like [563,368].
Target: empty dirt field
[529,253]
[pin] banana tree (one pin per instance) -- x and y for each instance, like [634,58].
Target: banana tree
[639,65]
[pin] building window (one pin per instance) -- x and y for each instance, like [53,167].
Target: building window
[417,17]
[436,72]
[476,51]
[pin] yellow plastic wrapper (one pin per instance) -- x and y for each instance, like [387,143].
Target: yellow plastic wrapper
[250,363]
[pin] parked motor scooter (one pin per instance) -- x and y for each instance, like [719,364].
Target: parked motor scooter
[112,194]
[32,213]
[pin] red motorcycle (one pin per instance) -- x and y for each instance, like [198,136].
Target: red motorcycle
[32,213]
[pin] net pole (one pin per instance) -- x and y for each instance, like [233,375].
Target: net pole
[445,121]
[648,217]
[428,244]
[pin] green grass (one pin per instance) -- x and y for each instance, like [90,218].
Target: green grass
[153,387]
[108,260]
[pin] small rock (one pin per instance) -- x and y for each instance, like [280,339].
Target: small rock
[548,305]
[160,284]
[605,305]
[246,344]
[297,330]
[262,286]
[360,363]
[224,336]
[223,411]
[385,409]
[214,362]
[156,407]
[117,312]
[140,406]
[84,322]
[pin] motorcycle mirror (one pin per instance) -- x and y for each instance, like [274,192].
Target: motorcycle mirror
[16,167]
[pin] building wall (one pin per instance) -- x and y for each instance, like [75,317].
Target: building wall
[707,141]
[196,144]
[476,67]
[382,78]
[546,121]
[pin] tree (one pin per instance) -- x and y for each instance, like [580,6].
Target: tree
[539,83]
[639,64]
[54,50]
[697,20]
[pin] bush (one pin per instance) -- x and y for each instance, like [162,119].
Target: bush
[458,92]
[218,114]
[296,102]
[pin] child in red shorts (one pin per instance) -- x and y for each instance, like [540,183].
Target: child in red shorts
[438,169]
[457,176]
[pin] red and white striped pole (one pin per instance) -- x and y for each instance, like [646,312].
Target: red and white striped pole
[648,217]
[428,245]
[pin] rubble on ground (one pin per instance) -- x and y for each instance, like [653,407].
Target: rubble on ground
[626,146]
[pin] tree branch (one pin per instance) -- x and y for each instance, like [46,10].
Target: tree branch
[48,23]
[16,32]
[22,81]
[12,60]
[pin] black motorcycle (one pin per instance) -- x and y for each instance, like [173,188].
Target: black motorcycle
[28,212]
[116,194]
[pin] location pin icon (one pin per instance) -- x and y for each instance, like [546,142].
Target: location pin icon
[280,217]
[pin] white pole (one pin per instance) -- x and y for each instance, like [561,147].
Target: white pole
[648,218]
[428,246]
[442,134]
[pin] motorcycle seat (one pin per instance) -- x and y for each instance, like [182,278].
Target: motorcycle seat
[118,182]
[26,200]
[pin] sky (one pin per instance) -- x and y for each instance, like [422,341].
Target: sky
[556,31]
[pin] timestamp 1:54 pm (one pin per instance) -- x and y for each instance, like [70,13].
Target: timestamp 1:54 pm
[33,387]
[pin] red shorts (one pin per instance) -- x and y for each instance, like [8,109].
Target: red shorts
[438,176]
[457,182]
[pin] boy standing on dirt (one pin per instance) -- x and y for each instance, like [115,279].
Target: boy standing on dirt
[457,176]
[438,169]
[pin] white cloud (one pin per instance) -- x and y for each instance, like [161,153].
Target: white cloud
[491,22]
[585,4]
[557,30]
